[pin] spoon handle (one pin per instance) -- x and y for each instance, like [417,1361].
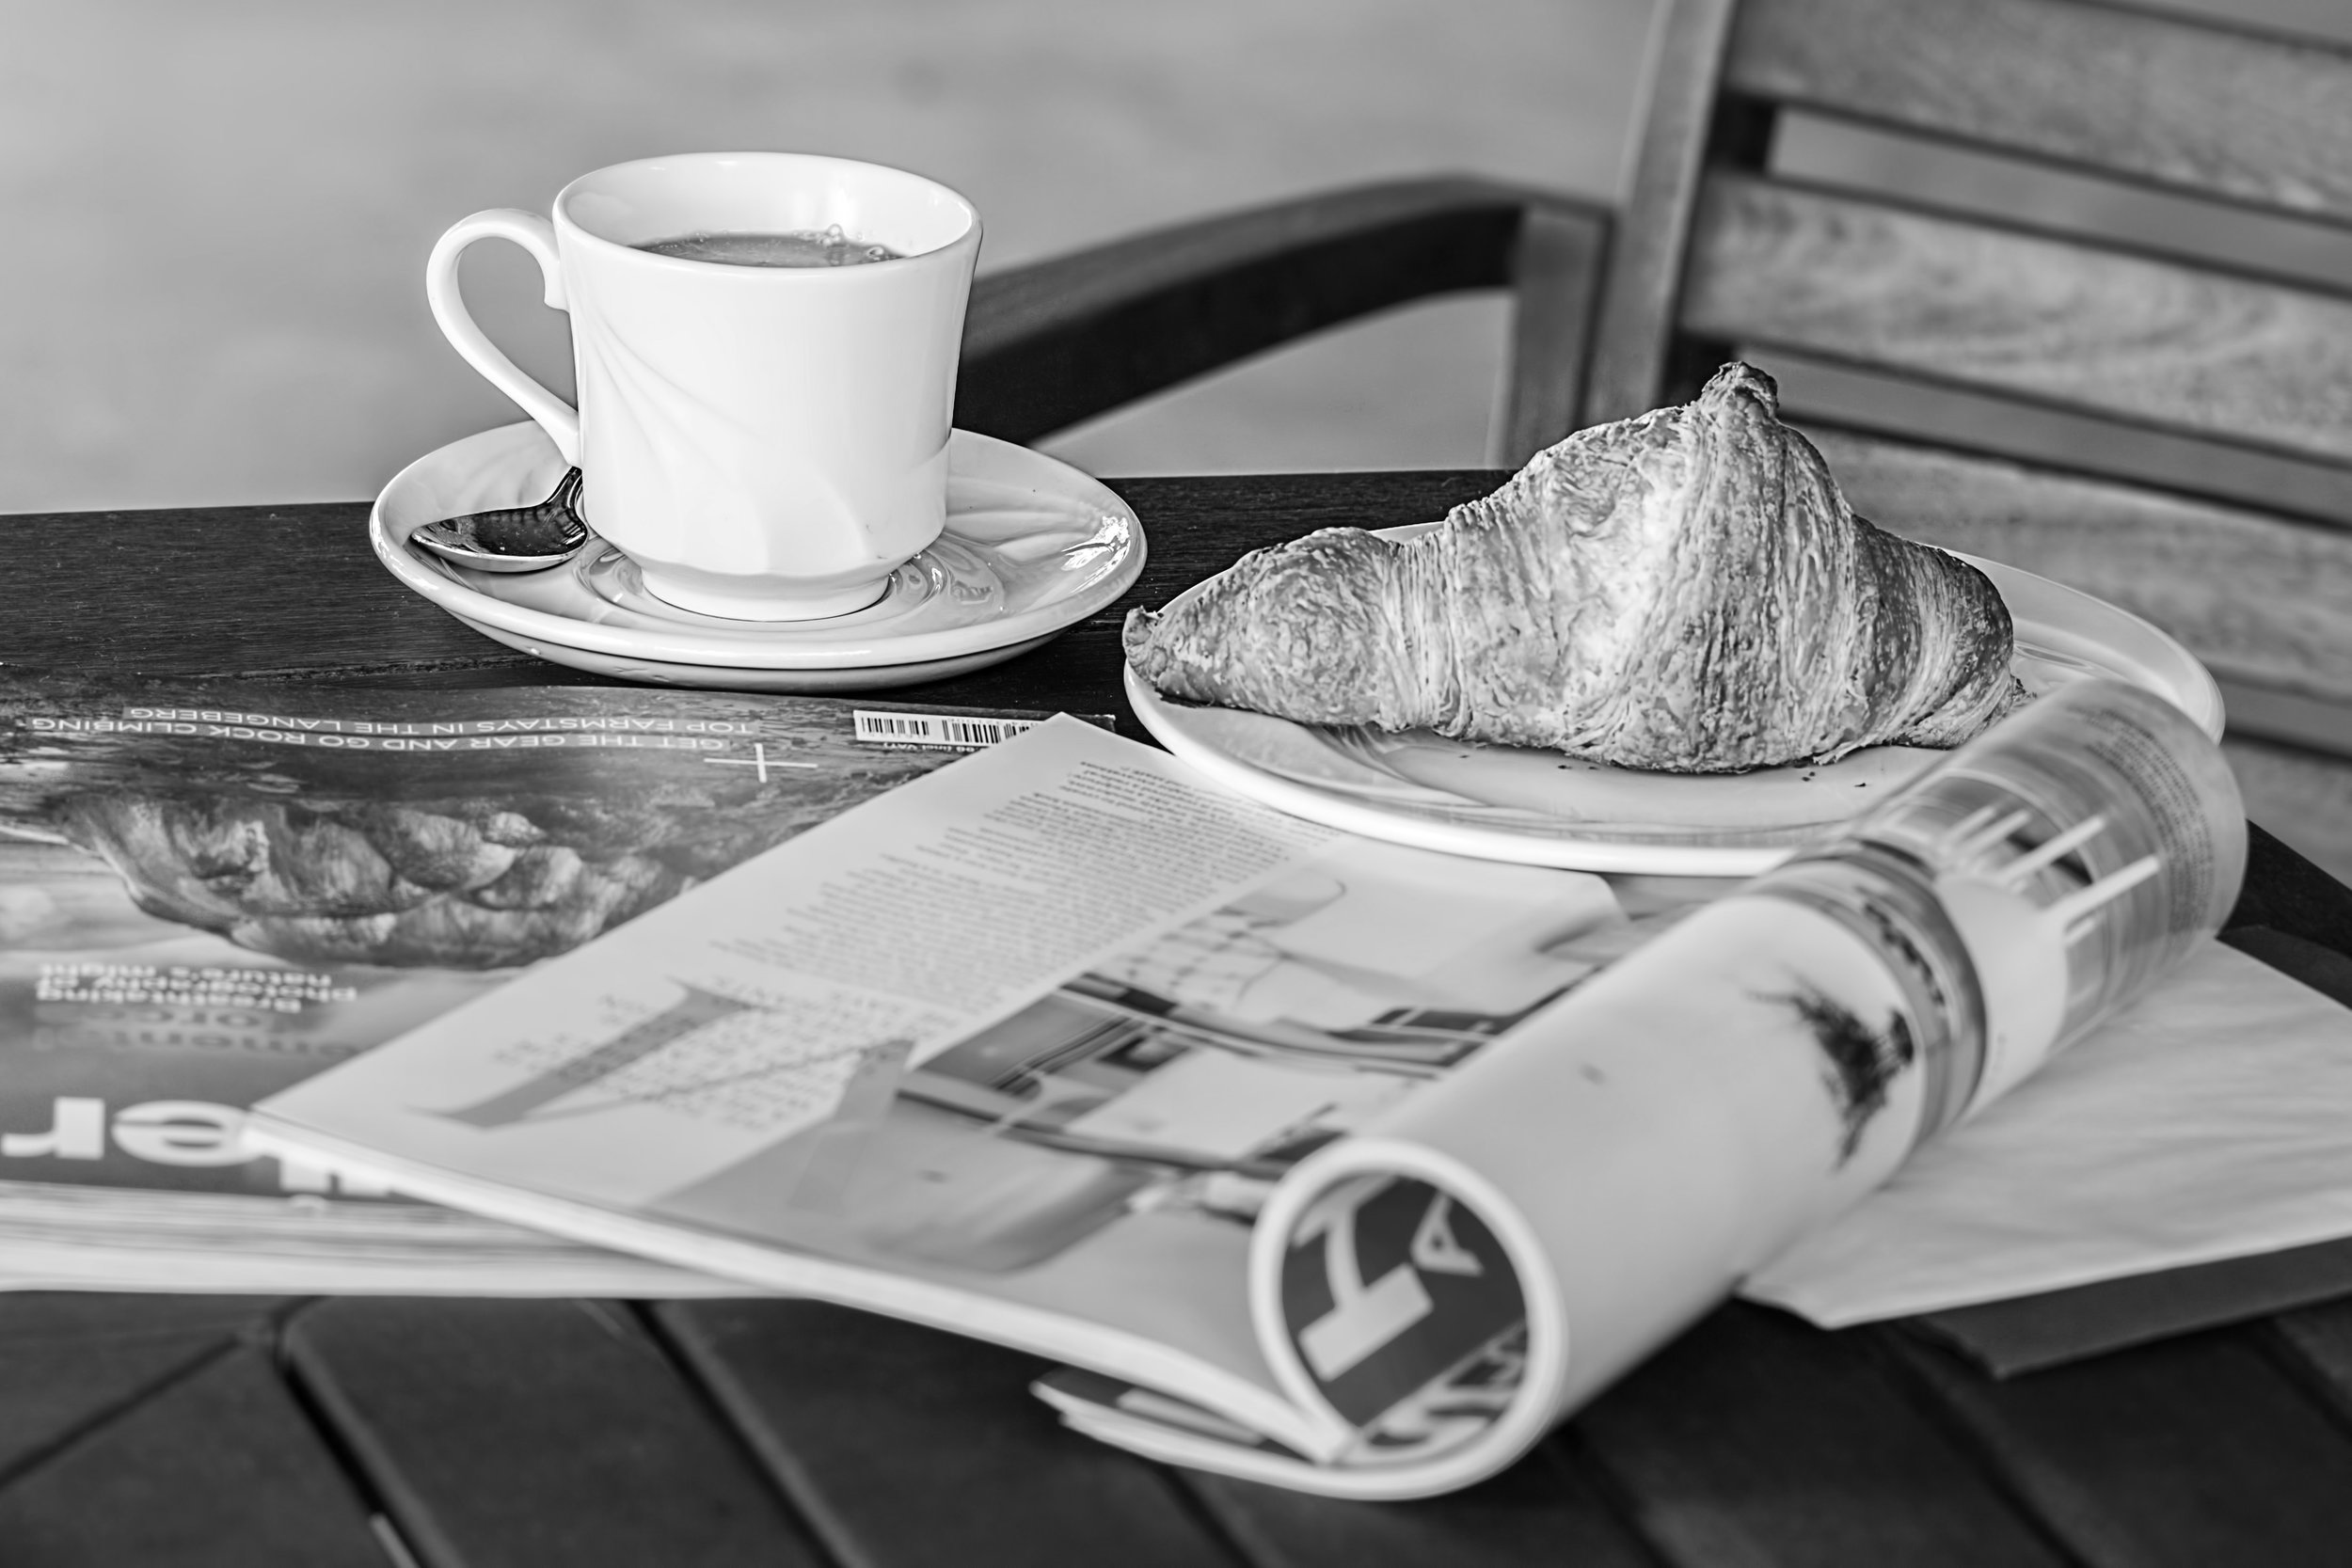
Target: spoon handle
[548,527]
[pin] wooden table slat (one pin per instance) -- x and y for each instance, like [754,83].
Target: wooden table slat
[220,1467]
[70,1362]
[1538,1513]
[2317,1342]
[1755,1438]
[300,593]
[75,1319]
[2185,1454]
[907,1448]
[506,1433]
[55,1388]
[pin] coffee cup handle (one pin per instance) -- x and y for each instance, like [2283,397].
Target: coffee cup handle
[535,234]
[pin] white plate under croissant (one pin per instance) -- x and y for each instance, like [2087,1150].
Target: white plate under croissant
[1541,808]
[1667,645]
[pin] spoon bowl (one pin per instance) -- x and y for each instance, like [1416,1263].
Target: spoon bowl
[517,539]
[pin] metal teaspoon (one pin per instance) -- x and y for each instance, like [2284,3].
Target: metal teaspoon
[518,539]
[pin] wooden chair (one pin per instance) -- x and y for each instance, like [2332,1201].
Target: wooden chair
[1052,343]
[2130,415]
[2168,431]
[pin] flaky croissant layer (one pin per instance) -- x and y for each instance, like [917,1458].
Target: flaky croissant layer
[1686,591]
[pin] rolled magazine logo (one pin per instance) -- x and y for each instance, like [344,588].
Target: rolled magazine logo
[1406,1313]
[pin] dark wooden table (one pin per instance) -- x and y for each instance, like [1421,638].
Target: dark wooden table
[186,1430]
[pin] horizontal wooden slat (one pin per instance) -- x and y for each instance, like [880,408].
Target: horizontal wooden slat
[2313,722]
[2265,602]
[1815,148]
[1758,1439]
[2167,100]
[1540,1513]
[2024,314]
[1820,392]
[69,1363]
[906,1447]
[221,1469]
[504,1433]
[2318,1343]
[2188,1454]
[332,611]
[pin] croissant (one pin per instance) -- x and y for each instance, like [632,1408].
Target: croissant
[1684,591]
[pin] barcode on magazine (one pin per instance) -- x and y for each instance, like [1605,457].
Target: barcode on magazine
[937,729]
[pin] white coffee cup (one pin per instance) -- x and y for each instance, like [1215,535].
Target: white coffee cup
[766,443]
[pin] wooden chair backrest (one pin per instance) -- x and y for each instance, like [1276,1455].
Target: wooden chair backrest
[2166,429]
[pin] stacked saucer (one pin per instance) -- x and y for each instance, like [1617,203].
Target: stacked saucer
[1032,545]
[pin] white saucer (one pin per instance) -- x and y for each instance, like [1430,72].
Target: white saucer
[1541,808]
[1031,546]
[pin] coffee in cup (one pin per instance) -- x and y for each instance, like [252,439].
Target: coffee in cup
[797,247]
[766,345]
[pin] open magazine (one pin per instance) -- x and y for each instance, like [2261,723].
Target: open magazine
[1318,1160]
[210,892]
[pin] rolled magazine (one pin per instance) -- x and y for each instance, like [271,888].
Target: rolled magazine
[1454,1279]
[1325,1163]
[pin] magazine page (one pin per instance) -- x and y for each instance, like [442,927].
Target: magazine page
[209,892]
[1020,1050]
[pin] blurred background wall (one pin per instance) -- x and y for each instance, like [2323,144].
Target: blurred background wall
[217,211]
